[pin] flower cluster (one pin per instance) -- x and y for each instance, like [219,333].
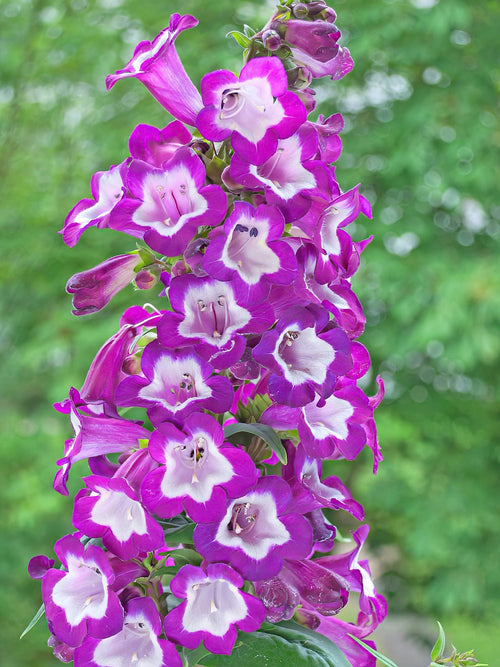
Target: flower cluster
[204,512]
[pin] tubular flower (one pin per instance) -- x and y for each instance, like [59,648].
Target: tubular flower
[157,65]
[205,419]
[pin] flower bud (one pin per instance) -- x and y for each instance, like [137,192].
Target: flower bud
[300,11]
[194,254]
[94,288]
[132,364]
[147,278]
[271,40]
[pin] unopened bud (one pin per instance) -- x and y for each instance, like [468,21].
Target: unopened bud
[315,8]
[179,268]
[147,278]
[306,618]
[299,78]
[132,364]
[300,11]
[271,40]
[329,15]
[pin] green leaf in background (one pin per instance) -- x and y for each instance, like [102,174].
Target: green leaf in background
[284,644]
[242,434]
[438,648]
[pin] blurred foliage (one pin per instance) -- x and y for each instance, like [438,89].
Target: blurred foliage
[422,137]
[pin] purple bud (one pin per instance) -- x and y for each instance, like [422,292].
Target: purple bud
[193,255]
[132,364]
[94,288]
[147,278]
[179,269]
[329,15]
[317,39]
[299,78]
[271,40]
[300,11]
[307,619]
[280,599]
[62,651]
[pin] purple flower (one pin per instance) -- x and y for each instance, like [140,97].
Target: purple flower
[279,597]
[310,492]
[105,372]
[157,65]
[109,509]
[329,142]
[340,212]
[257,531]
[167,205]
[94,288]
[156,147]
[249,252]
[321,588]
[213,316]
[197,471]
[302,359]
[174,384]
[107,189]
[316,39]
[373,607]
[78,600]
[213,609]
[94,436]
[314,47]
[137,643]
[255,110]
[287,176]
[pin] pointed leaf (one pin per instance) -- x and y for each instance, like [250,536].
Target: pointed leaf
[241,433]
[240,38]
[34,621]
[383,659]
[438,648]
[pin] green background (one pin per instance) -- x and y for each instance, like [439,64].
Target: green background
[421,136]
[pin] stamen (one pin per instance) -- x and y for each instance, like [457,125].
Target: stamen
[213,606]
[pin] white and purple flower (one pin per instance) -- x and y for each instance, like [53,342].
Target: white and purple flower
[137,643]
[212,315]
[166,205]
[109,509]
[107,188]
[303,359]
[255,110]
[249,252]
[154,146]
[78,600]
[213,608]
[257,531]
[157,65]
[175,383]
[198,471]
[95,436]
[288,177]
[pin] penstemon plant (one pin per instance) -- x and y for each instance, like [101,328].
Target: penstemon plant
[200,536]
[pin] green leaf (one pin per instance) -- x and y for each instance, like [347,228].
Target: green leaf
[192,658]
[241,433]
[249,32]
[240,38]
[280,645]
[34,620]
[438,648]
[383,659]
[176,534]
